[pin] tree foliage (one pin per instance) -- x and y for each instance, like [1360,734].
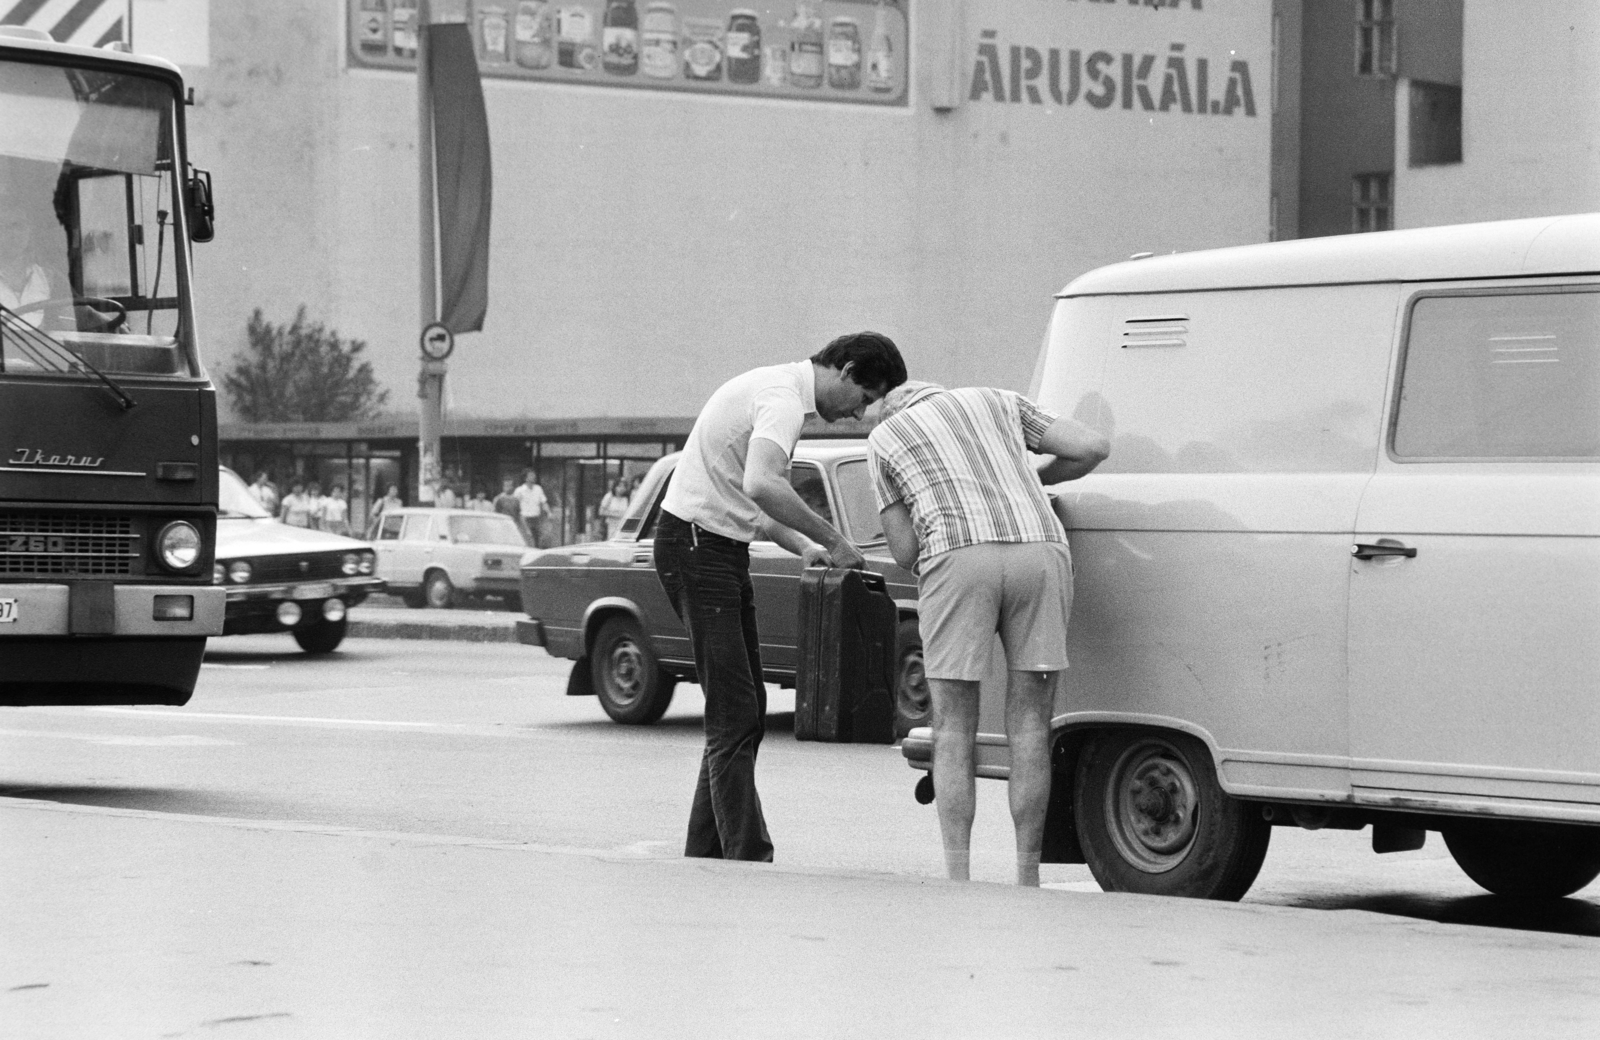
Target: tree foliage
[301,372]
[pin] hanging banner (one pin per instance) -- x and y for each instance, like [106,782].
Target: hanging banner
[463,184]
[86,23]
[851,51]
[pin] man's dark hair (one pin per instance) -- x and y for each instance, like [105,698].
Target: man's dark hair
[876,360]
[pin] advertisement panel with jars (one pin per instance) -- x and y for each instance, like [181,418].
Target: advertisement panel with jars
[824,50]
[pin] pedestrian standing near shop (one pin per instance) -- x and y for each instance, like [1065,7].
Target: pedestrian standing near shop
[614,507]
[335,511]
[730,487]
[295,509]
[264,493]
[532,506]
[964,508]
[506,502]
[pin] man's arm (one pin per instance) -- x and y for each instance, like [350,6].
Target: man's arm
[1075,449]
[808,551]
[766,481]
[901,534]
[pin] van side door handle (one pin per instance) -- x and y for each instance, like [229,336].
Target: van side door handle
[1362,551]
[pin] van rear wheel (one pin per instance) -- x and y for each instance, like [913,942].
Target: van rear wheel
[1152,819]
[1525,860]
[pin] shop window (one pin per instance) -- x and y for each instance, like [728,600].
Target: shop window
[1375,38]
[1501,376]
[1371,208]
[1435,124]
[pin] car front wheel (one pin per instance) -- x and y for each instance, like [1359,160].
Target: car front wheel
[912,704]
[1153,819]
[322,638]
[627,678]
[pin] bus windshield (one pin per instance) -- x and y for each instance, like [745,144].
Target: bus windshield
[93,273]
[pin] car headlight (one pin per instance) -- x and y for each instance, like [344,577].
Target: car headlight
[178,545]
[239,571]
[492,563]
[351,563]
[219,574]
[369,562]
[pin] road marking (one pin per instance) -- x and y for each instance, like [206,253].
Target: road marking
[246,717]
[242,667]
[175,740]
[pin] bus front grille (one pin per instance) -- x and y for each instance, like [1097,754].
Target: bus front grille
[67,544]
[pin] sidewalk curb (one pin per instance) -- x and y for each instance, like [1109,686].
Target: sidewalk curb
[464,632]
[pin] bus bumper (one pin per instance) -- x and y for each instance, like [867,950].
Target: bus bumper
[100,608]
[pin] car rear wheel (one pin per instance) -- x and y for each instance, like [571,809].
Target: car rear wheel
[1153,819]
[322,638]
[438,592]
[627,678]
[1525,860]
[913,706]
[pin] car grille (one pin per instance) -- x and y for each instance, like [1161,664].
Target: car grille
[67,544]
[287,568]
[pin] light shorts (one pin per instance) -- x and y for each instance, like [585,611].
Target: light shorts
[1022,590]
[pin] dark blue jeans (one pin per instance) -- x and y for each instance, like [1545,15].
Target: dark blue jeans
[707,578]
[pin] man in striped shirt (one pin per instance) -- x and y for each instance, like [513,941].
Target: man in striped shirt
[965,508]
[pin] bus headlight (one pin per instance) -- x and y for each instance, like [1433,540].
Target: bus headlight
[178,545]
[239,571]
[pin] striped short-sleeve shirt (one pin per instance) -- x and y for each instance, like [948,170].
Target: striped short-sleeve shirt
[959,461]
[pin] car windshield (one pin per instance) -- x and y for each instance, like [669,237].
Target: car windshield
[234,499]
[859,503]
[89,234]
[489,529]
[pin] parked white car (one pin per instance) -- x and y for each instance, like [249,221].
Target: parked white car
[433,557]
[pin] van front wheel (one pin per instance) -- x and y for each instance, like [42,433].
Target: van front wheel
[1152,819]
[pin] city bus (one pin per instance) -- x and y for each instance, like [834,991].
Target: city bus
[108,428]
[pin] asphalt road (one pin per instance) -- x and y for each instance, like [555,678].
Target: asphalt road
[468,745]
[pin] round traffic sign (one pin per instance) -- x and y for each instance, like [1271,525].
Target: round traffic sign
[437,342]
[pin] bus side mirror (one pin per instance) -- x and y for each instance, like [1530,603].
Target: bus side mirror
[202,214]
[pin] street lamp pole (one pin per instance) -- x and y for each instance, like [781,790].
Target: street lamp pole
[430,380]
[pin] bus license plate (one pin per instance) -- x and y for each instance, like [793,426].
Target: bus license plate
[321,590]
[9,611]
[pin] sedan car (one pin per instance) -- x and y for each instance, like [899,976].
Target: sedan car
[432,557]
[601,606]
[281,578]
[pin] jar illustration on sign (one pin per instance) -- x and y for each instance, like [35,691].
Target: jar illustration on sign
[658,41]
[403,22]
[775,73]
[619,38]
[534,32]
[844,54]
[805,47]
[880,58]
[702,49]
[575,38]
[743,47]
[494,35]
[372,29]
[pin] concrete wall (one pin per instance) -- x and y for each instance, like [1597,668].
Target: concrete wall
[1530,119]
[647,246]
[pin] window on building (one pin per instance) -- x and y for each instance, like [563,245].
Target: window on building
[1435,124]
[1501,376]
[1375,38]
[1371,209]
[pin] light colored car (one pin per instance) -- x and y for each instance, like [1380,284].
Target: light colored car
[281,578]
[433,557]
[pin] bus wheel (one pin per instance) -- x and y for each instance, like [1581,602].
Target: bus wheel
[1525,860]
[913,706]
[629,681]
[1152,819]
[322,638]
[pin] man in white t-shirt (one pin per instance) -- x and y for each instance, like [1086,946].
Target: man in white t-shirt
[534,505]
[731,487]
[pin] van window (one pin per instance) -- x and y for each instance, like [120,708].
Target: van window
[1501,376]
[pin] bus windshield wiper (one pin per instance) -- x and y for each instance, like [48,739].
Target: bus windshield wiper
[51,356]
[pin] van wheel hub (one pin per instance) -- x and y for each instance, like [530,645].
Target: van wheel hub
[1152,812]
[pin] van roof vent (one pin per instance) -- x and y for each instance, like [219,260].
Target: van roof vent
[1167,330]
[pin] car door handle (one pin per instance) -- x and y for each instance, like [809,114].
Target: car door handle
[643,557]
[1363,551]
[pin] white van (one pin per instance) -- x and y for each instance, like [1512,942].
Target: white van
[1343,565]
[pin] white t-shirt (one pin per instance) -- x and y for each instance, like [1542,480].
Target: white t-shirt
[708,486]
[531,500]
